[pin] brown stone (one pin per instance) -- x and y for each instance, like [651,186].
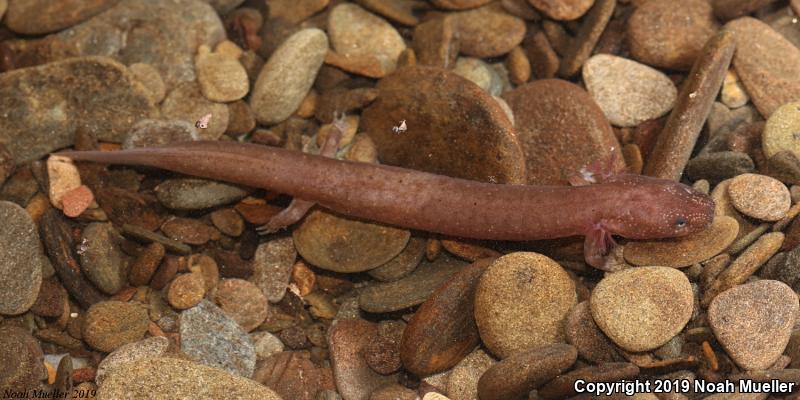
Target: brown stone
[487,31]
[354,378]
[580,48]
[291,374]
[582,332]
[730,9]
[564,385]
[435,42]
[516,376]
[146,263]
[544,60]
[43,16]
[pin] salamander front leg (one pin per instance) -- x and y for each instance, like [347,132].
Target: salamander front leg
[597,245]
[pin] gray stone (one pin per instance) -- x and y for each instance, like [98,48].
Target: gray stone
[196,194]
[102,260]
[21,257]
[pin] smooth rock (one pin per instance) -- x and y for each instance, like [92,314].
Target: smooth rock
[242,301]
[355,380]
[196,194]
[21,260]
[359,34]
[288,75]
[561,10]
[582,332]
[629,93]
[63,177]
[563,386]
[266,344]
[110,324]
[780,129]
[221,78]
[151,347]
[462,381]
[150,78]
[23,358]
[272,267]
[42,16]
[292,375]
[733,94]
[187,103]
[402,264]
[102,259]
[719,166]
[760,196]
[152,133]
[578,49]
[186,290]
[753,322]
[515,376]
[521,302]
[435,42]
[642,308]
[481,73]
[487,31]
[212,338]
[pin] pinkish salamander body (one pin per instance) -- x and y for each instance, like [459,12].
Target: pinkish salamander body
[631,206]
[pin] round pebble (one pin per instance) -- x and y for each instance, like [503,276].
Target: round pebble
[151,347]
[63,177]
[21,259]
[186,103]
[186,290]
[487,31]
[582,332]
[515,376]
[76,201]
[760,196]
[521,302]
[779,132]
[111,324]
[561,130]
[319,240]
[359,34]
[189,230]
[242,301]
[23,360]
[181,379]
[768,64]
[288,75]
[628,92]
[150,78]
[209,336]
[272,267]
[146,263]
[642,308]
[459,4]
[686,250]
[462,380]
[196,194]
[753,322]
[152,132]
[562,10]
[102,259]
[670,34]
[457,111]
[481,73]
[221,78]
[733,94]
[266,344]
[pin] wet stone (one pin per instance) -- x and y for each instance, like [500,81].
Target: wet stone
[403,264]
[768,64]
[719,166]
[50,105]
[515,376]
[63,177]
[23,358]
[544,60]
[186,290]
[753,322]
[564,385]
[458,4]
[51,300]
[102,259]
[488,31]
[780,129]
[629,93]
[580,48]
[358,34]
[458,111]
[242,301]
[266,344]
[150,78]
[187,103]
[382,353]
[562,10]
[561,130]
[462,382]
[393,391]
[153,133]
[354,378]
[21,258]
[642,308]
[111,324]
[670,34]
[292,375]
[481,73]
[212,338]
[319,240]
[521,302]
[759,196]
[733,94]
[190,231]
[582,332]
[196,194]
[435,42]
[146,263]
[151,347]
[272,267]
[42,16]
[181,378]
[411,290]
[221,78]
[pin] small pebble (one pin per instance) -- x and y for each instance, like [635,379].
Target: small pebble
[515,376]
[579,49]
[151,133]
[146,263]
[212,338]
[150,78]
[519,66]
[719,166]
[21,260]
[759,196]
[196,194]
[359,34]
[293,375]
[628,92]
[265,344]
[102,259]
[63,177]
[754,321]
[111,324]
[76,201]
[487,31]
[242,301]
[242,120]
[354,378]
[462,382]
[642,308]
[562,10]
[187,103]
[393,391]
[272,267]
[186,290]
[582,332]
[779,132]
[403,264]
[435,42]
[221,78]
[733,94]
[521,302]
[480,73]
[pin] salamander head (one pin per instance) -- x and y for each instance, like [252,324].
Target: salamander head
[652,208]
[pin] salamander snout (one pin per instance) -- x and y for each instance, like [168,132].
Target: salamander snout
[684,209]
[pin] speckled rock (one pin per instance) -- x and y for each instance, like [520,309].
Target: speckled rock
[563,386]
[221,78]
[516,376]
[152,133]
[272,267]
[640,309]
[187,103]
[288,75]
[21,258]
[266,344]
[767,64]
[102,259]
[111,324]
[488,31]
[151,347]
[186,290]
[150,78]
[629,93]
[462,381]
[355,380]
[359,34]
[561,130]
[213,339]
[24,367]
[481,73]
[242,301]
[403,264]
[49,105]
[779,132]
[43,16]
[196,194]
[760,196]
[687,250]
[521,302]
[178,379]
[163,33]
[582,332]
[670,34]
[562,10]
[753,322]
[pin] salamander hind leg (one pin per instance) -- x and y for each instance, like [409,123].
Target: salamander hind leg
[597,245]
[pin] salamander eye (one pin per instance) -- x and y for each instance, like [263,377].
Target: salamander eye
[680,222]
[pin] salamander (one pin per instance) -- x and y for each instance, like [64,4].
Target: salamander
[628,205]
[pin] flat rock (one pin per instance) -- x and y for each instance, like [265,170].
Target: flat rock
[358,33]
[151,347]
[561,130]
[43,16]
[448,109]
[759,196]
[222,78]
[152,133]
[642,308]
[272,267]
[582,332]
[355,380]
[515,376]
[411,290]
[462,380]
[767,64]
[521,302]
[561,10]
[292,375]
[49,105]
[21,258]
[563,386]
[753,322]
[196,194]
[402,264]
[488,31]
[288,75]
[242,301]
[628,92]
[212,338]
[110,324]
[368,245]
[102,260]
[150,78]
[670,34]
[22,353]
[187,103]
[779,131]
[162,33]
[178,379]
